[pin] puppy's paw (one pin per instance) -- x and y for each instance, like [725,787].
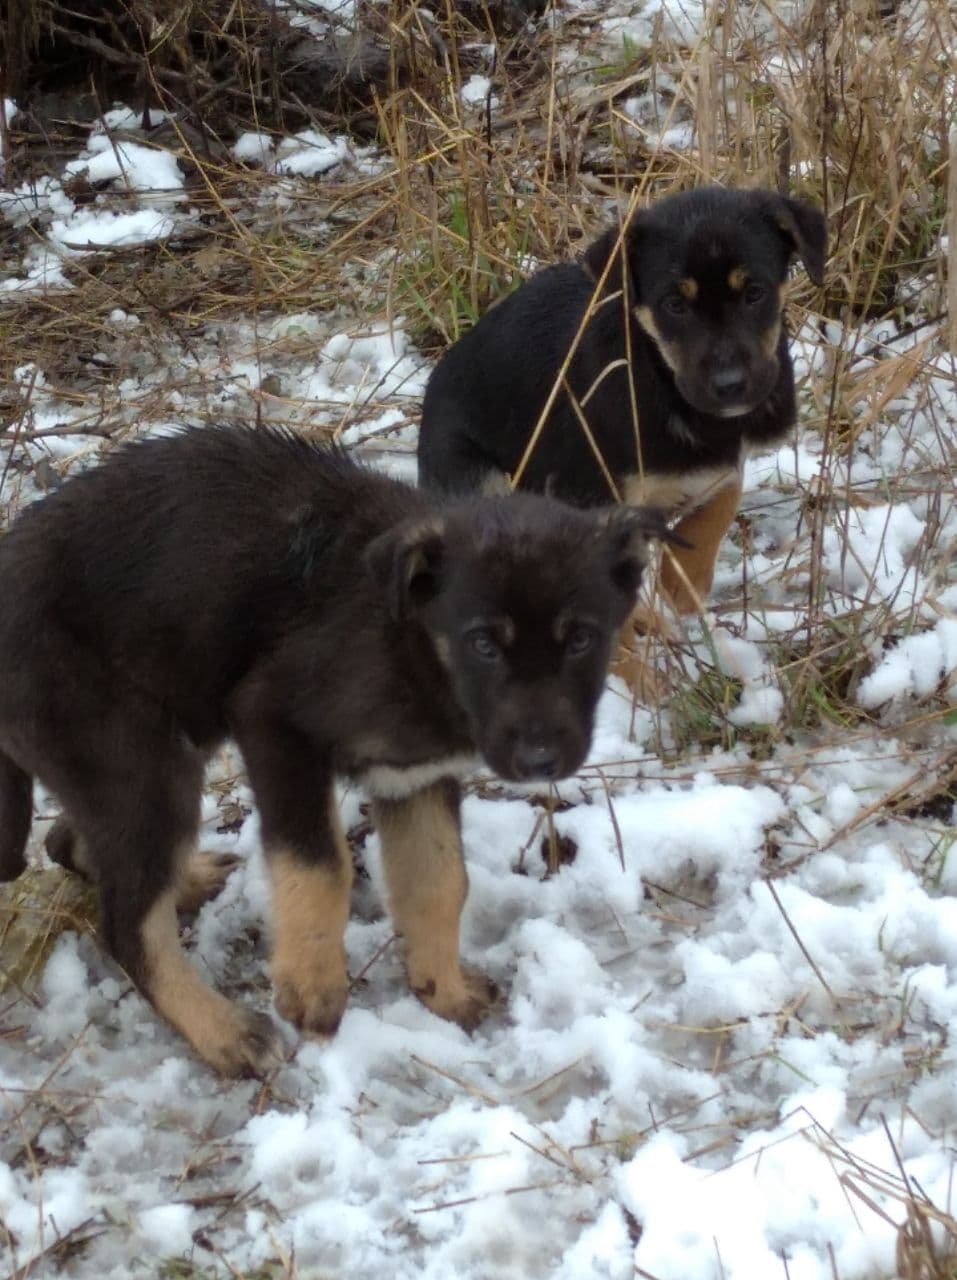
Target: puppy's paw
[203,878]
[315,1007]
[256,1050]
[465,998]
[232,1040]
[656,621]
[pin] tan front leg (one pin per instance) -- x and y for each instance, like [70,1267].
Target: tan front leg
[425,874]
[311,910]
[687,572]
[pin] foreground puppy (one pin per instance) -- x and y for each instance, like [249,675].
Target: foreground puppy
[681,367]
[230,582]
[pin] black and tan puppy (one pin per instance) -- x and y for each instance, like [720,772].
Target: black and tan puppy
[653,396]
[229,582]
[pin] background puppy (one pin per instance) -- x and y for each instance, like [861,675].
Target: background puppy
[228,582]
[657,362]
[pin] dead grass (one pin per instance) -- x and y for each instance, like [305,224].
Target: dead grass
[34,911]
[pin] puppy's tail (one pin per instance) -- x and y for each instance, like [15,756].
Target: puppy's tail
[16,810]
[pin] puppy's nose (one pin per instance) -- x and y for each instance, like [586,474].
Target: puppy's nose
[532,759]
[729,383]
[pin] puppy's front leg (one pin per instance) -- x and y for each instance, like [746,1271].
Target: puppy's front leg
[425,873]
[311,909]
[687,572]
[309,864]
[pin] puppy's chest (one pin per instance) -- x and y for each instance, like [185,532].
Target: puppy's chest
[385,781]
[679,492]
[393,765]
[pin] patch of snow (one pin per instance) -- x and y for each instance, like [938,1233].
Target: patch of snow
[42,268]
[254,148]
[477,92]
[916,666]
[139,168]
[87,231]
[125,118]
[310,153]
[34,200]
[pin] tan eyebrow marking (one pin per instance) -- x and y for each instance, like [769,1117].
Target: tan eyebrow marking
[737,279]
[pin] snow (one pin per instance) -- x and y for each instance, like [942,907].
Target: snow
[124,118]
[42,269]
[723,1022]
[253,148]
[83,232]
[477,92]
[310,153]
[307,154]
[141,168]
[404,1143]
[915,665]
[30,200]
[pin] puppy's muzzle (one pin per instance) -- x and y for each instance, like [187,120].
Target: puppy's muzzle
[533,760]
[729,388]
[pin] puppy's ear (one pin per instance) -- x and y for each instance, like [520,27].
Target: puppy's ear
[629,531]
[405,563]
[803,224]
[617,245]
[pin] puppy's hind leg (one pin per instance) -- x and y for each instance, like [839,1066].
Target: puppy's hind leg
[139,858]
[63,845]
[135,832]
[200,878]
[425,872]
[16,812]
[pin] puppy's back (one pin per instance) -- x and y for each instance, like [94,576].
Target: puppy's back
[177,559]
[218,500]
[492,384]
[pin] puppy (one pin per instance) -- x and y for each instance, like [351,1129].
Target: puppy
[642,374]
[227,582]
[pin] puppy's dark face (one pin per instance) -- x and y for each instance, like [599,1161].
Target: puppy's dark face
[521,598]
[705,272]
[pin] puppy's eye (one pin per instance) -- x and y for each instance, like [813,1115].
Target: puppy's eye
[484,645]
[754,294]
[675,305]
[579,641]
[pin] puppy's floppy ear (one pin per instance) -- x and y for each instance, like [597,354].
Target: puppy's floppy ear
[803,224]
[405,563]
[629,531]
[616,244]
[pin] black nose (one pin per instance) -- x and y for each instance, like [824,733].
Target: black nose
[535,760]
[729,384]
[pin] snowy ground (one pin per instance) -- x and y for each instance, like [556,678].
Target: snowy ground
[724,1048]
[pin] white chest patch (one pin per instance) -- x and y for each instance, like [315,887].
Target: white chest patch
[395,782]
[680,493]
